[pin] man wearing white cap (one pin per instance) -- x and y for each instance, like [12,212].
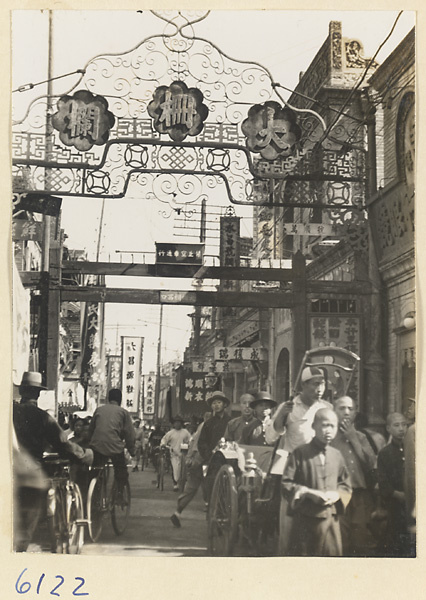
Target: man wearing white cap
[292,423]
[293,420]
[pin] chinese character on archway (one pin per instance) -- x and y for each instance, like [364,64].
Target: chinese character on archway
[178,110]
[83,120]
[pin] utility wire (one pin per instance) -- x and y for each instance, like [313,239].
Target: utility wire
[30,86]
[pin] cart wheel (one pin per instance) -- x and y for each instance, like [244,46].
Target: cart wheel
[223,513]
[248,526]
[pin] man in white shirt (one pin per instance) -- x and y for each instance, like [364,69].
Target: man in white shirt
[292,421]
[174,439]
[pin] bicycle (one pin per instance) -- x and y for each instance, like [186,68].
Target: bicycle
[103,498]
[65,514]
[163,466]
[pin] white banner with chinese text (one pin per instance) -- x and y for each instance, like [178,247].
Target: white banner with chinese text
[131,361]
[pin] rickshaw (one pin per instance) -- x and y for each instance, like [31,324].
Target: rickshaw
[243,516]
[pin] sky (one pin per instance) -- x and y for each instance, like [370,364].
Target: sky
[285,42]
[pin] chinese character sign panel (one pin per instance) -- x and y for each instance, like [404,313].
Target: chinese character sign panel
[184,254]
[83,120]
[271,130]
[193,393]
[92,363]
[131,357]
[149,394]
[27,230]
[114,373]
[178,110]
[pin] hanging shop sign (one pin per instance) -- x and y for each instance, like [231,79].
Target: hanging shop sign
[149,394]
[223,366]
[226,353]
[178,110]
[193,392]
[182,254]
[27,230]
[271,130]
[131,361]
[113,372]
[314,229]
[92,363]
[83,120]
[47,205]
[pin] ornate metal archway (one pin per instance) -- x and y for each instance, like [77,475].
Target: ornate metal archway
[235,131]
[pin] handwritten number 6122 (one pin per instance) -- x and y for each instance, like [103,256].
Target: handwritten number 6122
[22,587]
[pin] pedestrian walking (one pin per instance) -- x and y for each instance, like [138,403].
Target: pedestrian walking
[174,439]
[139,444]
[212,431]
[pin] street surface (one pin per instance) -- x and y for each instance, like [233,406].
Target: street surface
[149,530]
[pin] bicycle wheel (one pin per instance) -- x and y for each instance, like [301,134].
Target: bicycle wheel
[95,507]
[160,472]
[74,516]
[55,521]
[120,508]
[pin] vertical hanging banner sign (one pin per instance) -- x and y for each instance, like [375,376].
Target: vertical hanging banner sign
[131,360]
[149,394]
[92,366]
[114,373]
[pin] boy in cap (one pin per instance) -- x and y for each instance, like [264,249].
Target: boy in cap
[213,430]
[292,423]
[254,433]
[317,486]
[174,439]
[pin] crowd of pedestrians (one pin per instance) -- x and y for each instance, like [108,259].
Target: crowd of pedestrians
[343,489]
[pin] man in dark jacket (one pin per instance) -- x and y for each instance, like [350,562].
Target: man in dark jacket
[213,430]
[253,434]
[36,431]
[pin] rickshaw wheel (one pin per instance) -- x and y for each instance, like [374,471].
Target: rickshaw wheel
[223,513]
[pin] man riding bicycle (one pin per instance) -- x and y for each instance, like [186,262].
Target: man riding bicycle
[111,431]
[36,431]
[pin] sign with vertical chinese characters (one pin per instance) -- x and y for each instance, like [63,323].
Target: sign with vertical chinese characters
[83,120]
[229,255]
[27,230]
[193,392]
[149,394]
[131,360]
[92,364]
[114,372]
[178,110]
[183,254]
